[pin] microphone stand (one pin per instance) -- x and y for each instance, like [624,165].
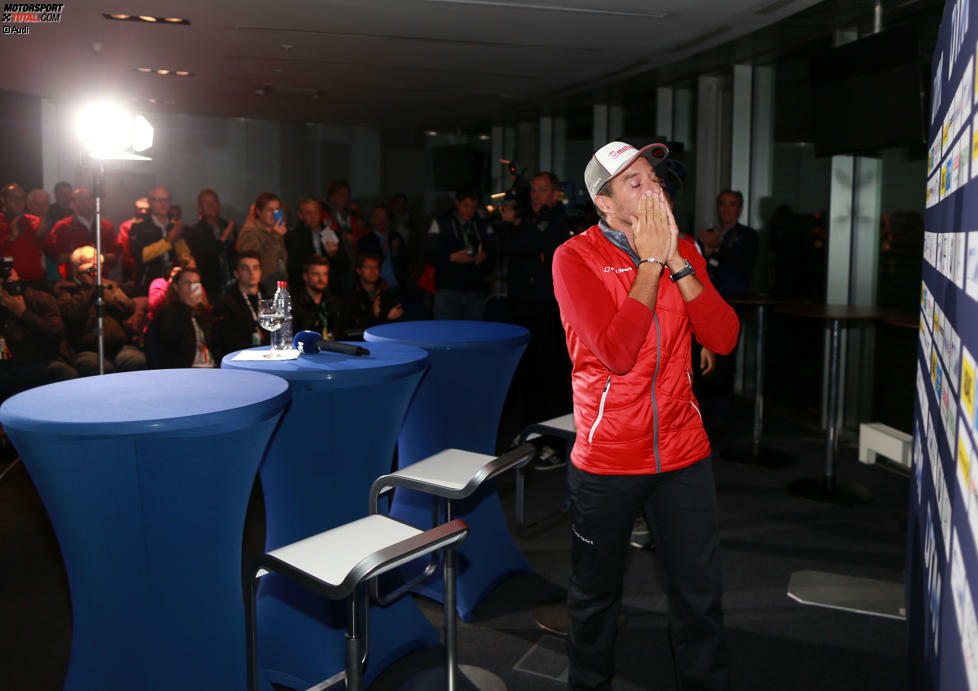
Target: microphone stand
[99,288]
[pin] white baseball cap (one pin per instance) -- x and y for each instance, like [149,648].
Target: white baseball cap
[614,158]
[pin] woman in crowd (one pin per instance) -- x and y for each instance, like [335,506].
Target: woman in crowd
[182,325]
[264,233]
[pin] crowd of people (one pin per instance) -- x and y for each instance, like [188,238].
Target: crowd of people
[182,293]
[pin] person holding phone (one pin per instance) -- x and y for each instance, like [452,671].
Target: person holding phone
[264,233]
[180,332]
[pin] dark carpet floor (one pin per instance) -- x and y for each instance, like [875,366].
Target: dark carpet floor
[766,535]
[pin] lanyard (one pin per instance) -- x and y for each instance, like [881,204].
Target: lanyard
[256,334]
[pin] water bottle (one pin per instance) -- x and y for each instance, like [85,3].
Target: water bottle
[282,338]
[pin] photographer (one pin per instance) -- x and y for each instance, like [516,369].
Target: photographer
[457,247]
[32,347]
[76,299]
[540,387]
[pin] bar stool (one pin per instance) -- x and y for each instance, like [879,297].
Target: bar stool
[335,564]
[562,427]
[451,474]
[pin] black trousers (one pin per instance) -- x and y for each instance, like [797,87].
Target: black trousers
[681,506]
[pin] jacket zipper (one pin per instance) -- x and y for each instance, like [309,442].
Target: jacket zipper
[604,395]
[689,376]
[655,408]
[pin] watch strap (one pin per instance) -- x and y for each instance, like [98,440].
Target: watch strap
[683,272]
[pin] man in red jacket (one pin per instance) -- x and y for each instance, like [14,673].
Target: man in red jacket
[631,293]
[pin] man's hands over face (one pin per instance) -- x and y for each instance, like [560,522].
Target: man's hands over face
[654,230]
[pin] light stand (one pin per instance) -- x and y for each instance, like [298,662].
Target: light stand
[109,132]
[99,288]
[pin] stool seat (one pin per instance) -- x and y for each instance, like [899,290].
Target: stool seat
[451,473]
[344,556]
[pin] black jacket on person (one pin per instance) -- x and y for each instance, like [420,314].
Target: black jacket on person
[213,257]
[358,312]
[371,243]
[77,304]
[234,325]
[530,248]
[300,247]
[174,335]
[143,233]
[450,238]
[37,335]
[307,315]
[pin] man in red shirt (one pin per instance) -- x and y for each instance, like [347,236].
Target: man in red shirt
[631,293]
[21,236]
[77,231]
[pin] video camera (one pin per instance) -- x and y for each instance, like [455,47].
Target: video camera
[518,195]
[12,287]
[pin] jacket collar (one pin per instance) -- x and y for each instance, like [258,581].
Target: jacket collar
[618,239]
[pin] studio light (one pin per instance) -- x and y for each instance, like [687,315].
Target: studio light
[110,132]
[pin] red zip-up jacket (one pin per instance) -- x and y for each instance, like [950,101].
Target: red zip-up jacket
[634,406]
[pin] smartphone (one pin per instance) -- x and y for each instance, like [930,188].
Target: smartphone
[279,216]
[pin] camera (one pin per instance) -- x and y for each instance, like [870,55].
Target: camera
[517,196]
[12,287]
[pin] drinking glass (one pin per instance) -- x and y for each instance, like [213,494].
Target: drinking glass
[271,318]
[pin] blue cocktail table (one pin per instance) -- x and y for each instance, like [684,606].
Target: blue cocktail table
[335,439]
[458,405]
[146,478]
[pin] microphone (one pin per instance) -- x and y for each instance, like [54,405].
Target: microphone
[313,342]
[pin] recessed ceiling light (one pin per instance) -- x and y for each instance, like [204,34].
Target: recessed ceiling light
[431,133]
[149,19]
[164,72]
[484,137]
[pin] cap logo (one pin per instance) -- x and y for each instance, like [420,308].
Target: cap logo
[618,152]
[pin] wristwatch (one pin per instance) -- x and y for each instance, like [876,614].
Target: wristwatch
[683,272]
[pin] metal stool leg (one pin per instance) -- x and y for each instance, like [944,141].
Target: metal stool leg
[451,633]
[354,643]
[251,632]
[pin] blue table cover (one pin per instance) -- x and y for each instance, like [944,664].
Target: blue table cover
[336,438]
[458,405]
[146,478]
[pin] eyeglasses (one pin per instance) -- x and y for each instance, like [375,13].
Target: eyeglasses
[159,199]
